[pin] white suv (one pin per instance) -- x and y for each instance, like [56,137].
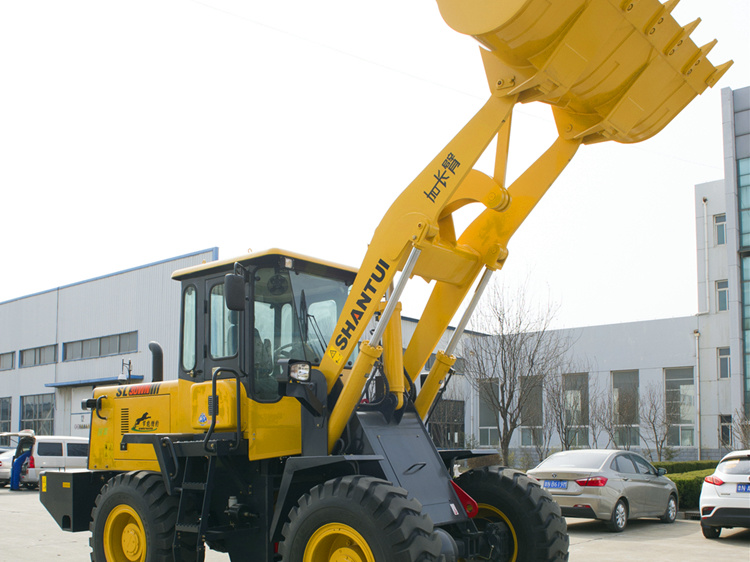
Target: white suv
[725,496]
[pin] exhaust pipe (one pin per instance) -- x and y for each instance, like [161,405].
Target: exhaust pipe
[157,362]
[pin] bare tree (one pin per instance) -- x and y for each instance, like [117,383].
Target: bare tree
[514,346]
[598,415]
[741,430]
[656,422]
[567,405]
[617,415]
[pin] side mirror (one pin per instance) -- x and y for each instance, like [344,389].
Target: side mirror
[661,471]
[234,291]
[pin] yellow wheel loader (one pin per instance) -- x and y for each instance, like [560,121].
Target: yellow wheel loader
[270,444]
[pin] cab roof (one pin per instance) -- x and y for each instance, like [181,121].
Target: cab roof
[256,256]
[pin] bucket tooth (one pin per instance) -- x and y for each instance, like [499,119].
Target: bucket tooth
[705,49]
[670,5]
[689,28]
[718,73]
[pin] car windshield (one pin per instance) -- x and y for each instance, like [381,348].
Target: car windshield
[575,459]
[735,466]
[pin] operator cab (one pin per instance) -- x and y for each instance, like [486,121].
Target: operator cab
[247,314]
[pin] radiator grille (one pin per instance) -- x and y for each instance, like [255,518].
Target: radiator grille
[124,420]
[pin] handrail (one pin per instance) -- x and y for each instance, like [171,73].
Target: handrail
[238,396]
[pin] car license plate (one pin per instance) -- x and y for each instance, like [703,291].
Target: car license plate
[743,488]
[556,484]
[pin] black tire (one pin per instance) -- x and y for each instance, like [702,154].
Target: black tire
[619,518]
[711,532]
[357,516]
[670,514]
[509,501]
[136,505]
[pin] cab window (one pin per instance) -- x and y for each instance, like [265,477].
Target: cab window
[189,311]
[224,325]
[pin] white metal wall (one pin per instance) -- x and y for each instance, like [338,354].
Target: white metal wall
[144,299]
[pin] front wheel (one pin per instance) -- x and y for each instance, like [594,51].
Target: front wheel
[133,520]
[520,519]
[358,519]
[671,512]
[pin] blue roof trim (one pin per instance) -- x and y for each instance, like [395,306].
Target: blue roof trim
[214,257]
[88,382]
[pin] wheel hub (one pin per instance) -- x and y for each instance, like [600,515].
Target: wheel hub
[124,535]
[336,542]
[131,542]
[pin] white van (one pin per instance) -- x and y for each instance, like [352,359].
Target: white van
[50,452]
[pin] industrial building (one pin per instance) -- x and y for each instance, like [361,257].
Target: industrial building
[55,346]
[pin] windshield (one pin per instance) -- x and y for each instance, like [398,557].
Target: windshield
[295,315]
[735,466]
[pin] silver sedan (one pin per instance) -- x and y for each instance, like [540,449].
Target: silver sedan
[611,485]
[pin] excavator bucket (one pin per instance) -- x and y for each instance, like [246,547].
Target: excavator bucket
[611,69]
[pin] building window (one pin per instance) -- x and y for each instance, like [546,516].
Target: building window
[488,417]
[5,420]
[576,388]
[680,406]
[720,229]
[7,361]
[447,424]
[38,413]
[39,356]
[532,410]
[100,347]
[723,358]
[626,408]
[725,431]
[722,295]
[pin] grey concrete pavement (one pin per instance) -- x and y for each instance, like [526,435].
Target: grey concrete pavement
[28,533]
[651,540]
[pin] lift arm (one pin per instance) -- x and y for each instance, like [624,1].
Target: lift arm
[610,69]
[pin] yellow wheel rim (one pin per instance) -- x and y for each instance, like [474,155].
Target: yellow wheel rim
[336,542]
[124,536]
[490,513]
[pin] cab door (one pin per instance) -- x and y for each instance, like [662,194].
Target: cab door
[222,331]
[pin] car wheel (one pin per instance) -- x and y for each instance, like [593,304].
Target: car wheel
[711,532]
[671,513]
[619,518]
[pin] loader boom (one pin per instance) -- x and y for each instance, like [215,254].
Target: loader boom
[611,70]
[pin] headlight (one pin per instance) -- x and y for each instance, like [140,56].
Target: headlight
[299,371]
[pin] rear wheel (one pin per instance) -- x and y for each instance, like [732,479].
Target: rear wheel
[521,520]
[619,518]
[133,520]
[358,519]
[711,532]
